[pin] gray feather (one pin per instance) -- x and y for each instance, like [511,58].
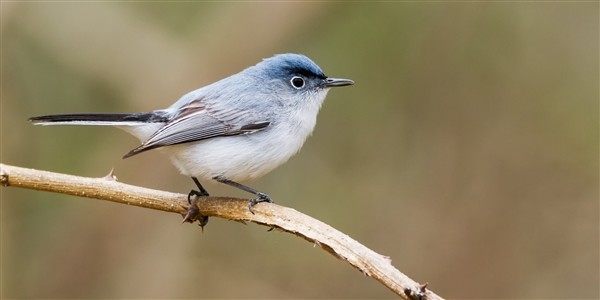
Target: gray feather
[194,122]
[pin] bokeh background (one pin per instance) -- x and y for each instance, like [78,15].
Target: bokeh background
[467,151]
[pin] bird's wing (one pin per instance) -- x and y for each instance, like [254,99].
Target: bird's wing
[195,121]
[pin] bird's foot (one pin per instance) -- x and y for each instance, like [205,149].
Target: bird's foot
[197,194]
[262,197]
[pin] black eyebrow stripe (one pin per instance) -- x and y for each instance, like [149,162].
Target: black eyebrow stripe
[307,73]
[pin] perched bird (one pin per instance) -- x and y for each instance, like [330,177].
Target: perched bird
[236,129]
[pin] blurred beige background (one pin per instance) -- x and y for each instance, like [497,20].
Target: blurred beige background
[467,151]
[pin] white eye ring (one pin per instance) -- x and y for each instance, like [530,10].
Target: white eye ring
[297,82]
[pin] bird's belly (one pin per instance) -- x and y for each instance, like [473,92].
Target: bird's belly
[238,158]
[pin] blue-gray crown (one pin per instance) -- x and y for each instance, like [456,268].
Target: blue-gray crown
[282,65]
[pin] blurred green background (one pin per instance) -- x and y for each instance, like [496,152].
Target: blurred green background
[467,151]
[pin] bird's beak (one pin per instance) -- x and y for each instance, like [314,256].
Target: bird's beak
[331,82]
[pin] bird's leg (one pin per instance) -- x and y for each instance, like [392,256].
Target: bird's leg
[201,193]
[193,213]
[262,197]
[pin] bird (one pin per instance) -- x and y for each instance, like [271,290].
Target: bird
[234,130]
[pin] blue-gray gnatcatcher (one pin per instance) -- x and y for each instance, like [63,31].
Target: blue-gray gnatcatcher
[236,129]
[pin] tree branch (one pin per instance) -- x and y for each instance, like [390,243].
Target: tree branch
[340,245]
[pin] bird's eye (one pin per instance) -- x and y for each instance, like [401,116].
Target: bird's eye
[297,82]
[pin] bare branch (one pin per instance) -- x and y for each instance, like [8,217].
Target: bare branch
[272,215]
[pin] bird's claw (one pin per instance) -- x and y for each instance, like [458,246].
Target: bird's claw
[195,193]
[262,197]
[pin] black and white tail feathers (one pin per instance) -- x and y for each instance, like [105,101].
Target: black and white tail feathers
[138,124]
[100,119]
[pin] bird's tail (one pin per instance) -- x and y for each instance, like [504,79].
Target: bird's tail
[100,119]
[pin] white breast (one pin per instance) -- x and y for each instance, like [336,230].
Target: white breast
[238,158]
